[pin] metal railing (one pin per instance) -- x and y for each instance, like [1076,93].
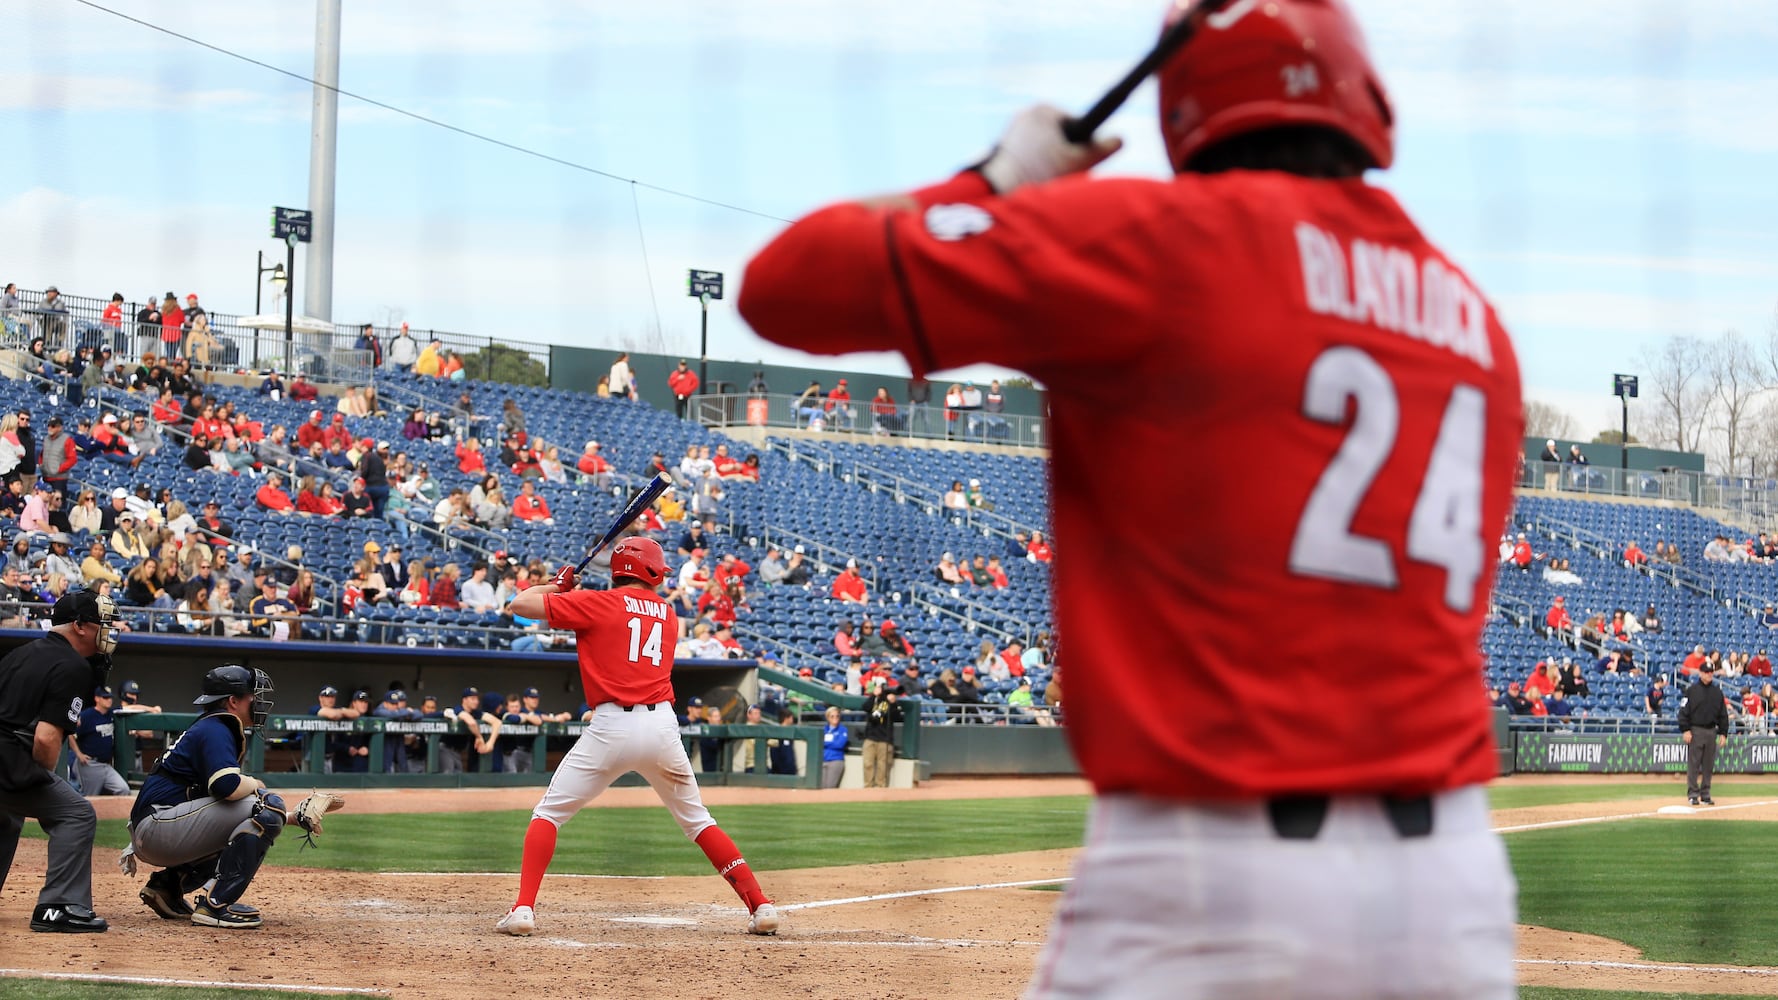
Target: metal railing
[933,421]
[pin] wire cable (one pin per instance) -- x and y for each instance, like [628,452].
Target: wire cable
[660,334]
[427,119]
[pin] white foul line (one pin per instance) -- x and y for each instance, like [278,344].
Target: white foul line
[1645,967]
[926,892]
[85,977]
[1552,824]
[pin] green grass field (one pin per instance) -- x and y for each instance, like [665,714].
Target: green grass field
[1519,796]
[645,841]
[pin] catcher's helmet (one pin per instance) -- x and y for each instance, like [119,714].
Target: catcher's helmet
[639,558]
[1259,64]
[232,679]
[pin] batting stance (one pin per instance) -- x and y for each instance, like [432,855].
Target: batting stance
[1283,840]
[204,822]
[624,638]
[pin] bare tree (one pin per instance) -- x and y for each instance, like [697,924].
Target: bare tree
[1737,377]
[1762,439]
[1680,390]
[1547,420]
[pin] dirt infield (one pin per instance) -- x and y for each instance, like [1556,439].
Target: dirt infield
[430,936]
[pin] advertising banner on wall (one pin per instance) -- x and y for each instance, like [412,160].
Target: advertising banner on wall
[1622,753]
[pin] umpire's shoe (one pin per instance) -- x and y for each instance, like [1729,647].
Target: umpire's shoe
[67,918]
[163,897]
[234,916]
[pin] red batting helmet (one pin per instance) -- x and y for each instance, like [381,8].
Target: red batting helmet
[639,558]
[1259,64]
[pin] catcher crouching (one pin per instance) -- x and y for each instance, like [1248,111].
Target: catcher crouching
[202,821]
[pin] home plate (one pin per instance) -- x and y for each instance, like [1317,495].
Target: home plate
[1677,810]
[656,921]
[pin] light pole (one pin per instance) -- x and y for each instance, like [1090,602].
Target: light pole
[289,298]
[279,278]
[1624,388]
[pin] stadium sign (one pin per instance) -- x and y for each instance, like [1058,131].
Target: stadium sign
[701,283]
[292,224]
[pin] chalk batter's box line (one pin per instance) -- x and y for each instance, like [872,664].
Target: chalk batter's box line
[93,977]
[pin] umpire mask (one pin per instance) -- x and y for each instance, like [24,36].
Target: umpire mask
[87,607]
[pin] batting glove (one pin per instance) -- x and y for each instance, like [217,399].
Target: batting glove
[564,578]
[1034,150]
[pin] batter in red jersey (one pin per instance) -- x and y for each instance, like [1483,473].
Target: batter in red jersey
[1306,834]
[624,639]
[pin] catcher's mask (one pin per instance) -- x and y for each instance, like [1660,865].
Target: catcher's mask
[232,679]
[87,607]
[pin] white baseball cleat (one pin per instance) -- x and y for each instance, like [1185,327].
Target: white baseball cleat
[520,922]
[764,920]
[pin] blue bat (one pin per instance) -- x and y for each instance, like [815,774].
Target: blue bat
[639,503]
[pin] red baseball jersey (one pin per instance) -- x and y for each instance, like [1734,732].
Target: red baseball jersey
[624,639]
[1349,407]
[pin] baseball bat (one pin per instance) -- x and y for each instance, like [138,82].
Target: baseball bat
[1080,130]
[638,503]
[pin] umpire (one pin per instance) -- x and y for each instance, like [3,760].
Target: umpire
[1703,723]
[44,685]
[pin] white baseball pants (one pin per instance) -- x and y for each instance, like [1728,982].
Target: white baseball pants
[1208,901]
[644,739]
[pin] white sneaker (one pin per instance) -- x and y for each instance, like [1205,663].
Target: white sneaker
[764,920]
[520,922]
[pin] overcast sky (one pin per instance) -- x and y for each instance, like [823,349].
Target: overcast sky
[1602,167]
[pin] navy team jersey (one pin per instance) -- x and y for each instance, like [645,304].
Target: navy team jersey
[208,752]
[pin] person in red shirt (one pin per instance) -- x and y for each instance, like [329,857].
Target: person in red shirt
[730,569]
[849,587]
[444,588]
[683,382]
[302,390]
[727,466]
[1693,661]
[336,431]
[1322,329]
[899,646]
[207,426]
[1556,620]
[839,405]
[594,466]
[998,573]
[167,408]
[1522,555]
[1753,711]
[112,317]
[1014,658]
[624,642]
[311,432]
[469,457]
[1542,681]
[718,604]
[1759,665]
[1634,555]
[272,497]
[529,506]
[172,327]
[1039,550]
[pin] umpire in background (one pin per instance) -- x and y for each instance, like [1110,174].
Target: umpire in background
[44,685]
[1703,723]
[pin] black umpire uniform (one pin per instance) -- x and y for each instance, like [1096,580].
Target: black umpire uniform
[46,683]
[1704,722]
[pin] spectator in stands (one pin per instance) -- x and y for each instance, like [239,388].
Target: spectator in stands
[797,571]
[622,379]
[58,457]
[996,574]
[1765,549]
[201,344]
[1522,554]
[845,640]
[1714,663]
[469,457]
[450,365]
[172,326]
[477,592]
[12,501]
[1556,621]
[808,406]
[1656,694]
[13,448]
[444,588]
[849,587]
[85,517]
[1759,665]
[1693,661]
[772,568]
[955,498]
[1040,550]
[403,350]
[1571,681]
[1514,701]
[978,572]
[271,496]
[977,499]
[198,455]
[94,567]
[682,382]
[530,506]
[308,497]
[144,437]
[1559,572]
[593,467]
[1541,682]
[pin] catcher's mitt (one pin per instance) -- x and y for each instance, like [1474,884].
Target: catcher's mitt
[309,811]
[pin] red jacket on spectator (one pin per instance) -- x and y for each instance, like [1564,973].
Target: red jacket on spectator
[469,460]
[58,466]
[593,464]
[729,467]
[310,432]
[838,396]
[1634,555]
[1040,551]
[272,498]
[169,412]
[726,571]
[1014,662]
[1692,662]
[172,325]
[1558,619]
[1759,666]
[303,391]
[530,508]
[683,381]
[849,586]
[1753,704]
[717,605]
[444,594]
[337,432]
[1540,681]
[1522,554]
